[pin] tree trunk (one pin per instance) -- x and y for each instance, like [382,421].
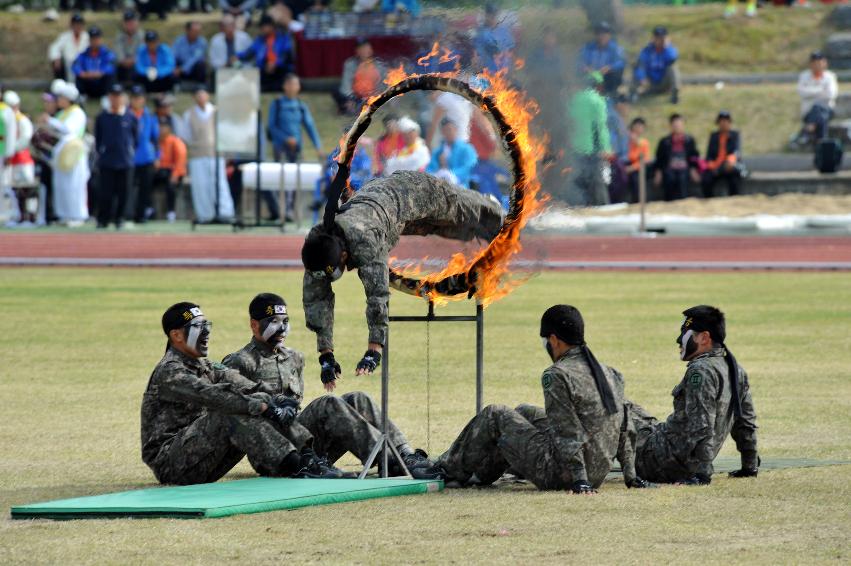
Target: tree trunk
[604,11]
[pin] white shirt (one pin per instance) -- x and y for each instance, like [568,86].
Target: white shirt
[218,52]
[67,48]
[457,109]
[11,129]
[408,158]
[25,133]
[812,91]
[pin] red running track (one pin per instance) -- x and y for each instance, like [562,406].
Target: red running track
[545,251]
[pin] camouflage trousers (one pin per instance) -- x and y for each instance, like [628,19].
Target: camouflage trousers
[349,423]
[456,213]
[500,438]
[657,457]
[211,446]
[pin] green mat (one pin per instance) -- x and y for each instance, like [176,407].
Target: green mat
[724,464]
[221,499]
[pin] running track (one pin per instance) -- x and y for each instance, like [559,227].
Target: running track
[540,252]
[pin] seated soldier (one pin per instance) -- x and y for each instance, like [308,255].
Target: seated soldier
[569,444]
[712,400]
[200,418]
[350,423]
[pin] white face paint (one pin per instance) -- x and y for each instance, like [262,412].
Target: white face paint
[278,324]
[544,341]
[684,341]
[198,336]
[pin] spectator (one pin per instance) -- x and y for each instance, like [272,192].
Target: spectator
[413,155]
[190,52]
[818,90]
[115,144]
[147,143]
[494,41]
[170,167]
[127,44]
[656,71]
[211,197]
[283,17]
[287,116]
[240,10]
[72,171]
[272,53]
[21,162]
[158,7]
[616,110]
[64,50]
[44,163]
[676,161]
[604,55]
[723,157]
[732,8]
[8,135]
[638,154]
[590,142]
[154,64]
[389,143]
[95,67]
[457,108]
[411,7]
[547,62]
[226,44]
[163,108]
[362,76]
[454,159]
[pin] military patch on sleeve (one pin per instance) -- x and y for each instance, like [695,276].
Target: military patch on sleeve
[695,379]
[546,381]
[218,366]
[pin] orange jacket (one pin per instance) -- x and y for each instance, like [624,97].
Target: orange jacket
[173,156]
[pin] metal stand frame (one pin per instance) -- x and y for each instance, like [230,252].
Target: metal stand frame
[384,444]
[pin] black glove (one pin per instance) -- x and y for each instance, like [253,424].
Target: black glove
[639,483]
[697,479]
[747,472]
[370,361]
[582,486]
[283,414]
[330,367]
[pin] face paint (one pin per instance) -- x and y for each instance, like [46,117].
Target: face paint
[198,335]
[275,329]
[686,343]
[545,341]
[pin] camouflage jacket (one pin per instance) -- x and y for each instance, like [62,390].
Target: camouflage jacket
[585,437]
[280,370]
[703,415]
[181,388]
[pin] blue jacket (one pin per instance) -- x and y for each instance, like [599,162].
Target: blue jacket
[596,58]
[286,118]
[411,6]
[653,65]
[86,61]
[165,60]
[187,55]
[115,139]
[147,141]
[490,42]
[282,46]
[462,160]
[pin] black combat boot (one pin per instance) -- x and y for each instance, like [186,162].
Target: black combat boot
[315,467]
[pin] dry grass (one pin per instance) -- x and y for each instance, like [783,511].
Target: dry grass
[78,346]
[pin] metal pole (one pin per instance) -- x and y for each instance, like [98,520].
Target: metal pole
[257,173]
[385,387]
[642,193]
[480,355]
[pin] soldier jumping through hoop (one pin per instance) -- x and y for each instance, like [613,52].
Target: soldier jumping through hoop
[361,235]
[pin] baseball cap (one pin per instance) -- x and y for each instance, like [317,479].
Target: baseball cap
[660,31]
[95,31]
[151,35]
[129,15]
[603,27]
[116,89]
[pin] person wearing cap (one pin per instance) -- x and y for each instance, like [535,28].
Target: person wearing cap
[70,156]
[200,418]
[170,167]
[8,137]
[567,445]
[127,43]
[605,56]
[677,161]
[21,164]
[272,53]
[190,53]
[656,71]
[818,89]
[453,157]
[94,68]
[44,163]
[414,154]
[349,423]
[115,143]
[362,77]
[361,237]
[723,157]
[227,44]
[494,41]
[199,123]
[140,204]
[164,110]
[240,10]
[590,143]
[64,50]
[154,68]
[713,400]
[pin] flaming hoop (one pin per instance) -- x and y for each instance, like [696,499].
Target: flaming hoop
[483,275]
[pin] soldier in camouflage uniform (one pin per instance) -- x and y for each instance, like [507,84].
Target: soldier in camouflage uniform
[712,400]
[365,230]
[337,425]
[568,445]
[199,418]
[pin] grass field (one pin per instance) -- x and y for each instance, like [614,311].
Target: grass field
[78,346]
